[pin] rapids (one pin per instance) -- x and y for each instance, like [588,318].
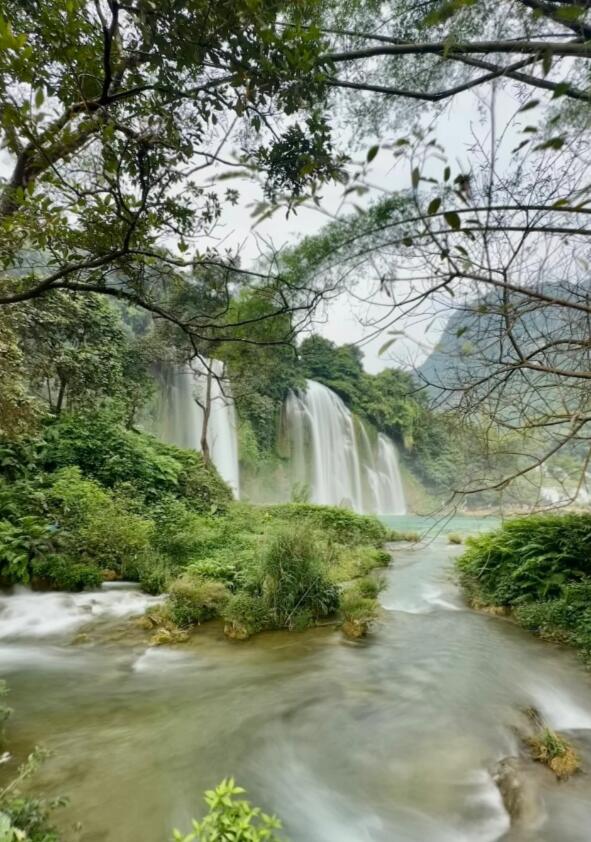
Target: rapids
[391,740]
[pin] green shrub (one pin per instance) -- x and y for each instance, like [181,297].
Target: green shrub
[25,818]
[541,568]
[193,600]
[99,526]
[245,614]
[359,608]
[64,574]
[348,563]
[371,586]
[342,525]
[529,559]
[231,818]
[410,537]
[28,539]
[294,578]
[219,567]
[106,451]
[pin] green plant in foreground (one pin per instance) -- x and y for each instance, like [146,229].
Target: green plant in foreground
[232,819]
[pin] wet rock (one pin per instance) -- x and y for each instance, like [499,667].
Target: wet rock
[518,791]
[110,575]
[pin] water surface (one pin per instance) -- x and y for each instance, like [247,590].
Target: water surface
[391,740]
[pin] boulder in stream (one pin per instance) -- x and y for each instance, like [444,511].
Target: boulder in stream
[518,791]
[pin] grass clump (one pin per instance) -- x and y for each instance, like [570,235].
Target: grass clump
[556,752]
[539,568]
[454,538]
[360,607]
[409,537]
[193,601]
[245,614]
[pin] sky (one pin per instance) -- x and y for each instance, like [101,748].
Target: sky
[342,320]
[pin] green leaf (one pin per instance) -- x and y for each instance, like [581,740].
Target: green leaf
[447,174]
[39,97]
[533,103]
[553,143]
[434,206]
[416,177]
[372,152]
[453,220]
[386,345]
[547,62]
[570,14]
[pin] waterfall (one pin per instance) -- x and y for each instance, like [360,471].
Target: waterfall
[332,453]
[180,418]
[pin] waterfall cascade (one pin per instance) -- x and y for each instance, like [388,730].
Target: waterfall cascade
[180,418]
[333,454]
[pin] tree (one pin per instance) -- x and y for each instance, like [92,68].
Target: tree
[435,50]
[505,249]
[111,110]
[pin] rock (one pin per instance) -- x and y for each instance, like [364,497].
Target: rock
[518,791]
[109,575]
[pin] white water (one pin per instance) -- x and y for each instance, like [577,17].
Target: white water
[180,418]
[331,452]
[26,615]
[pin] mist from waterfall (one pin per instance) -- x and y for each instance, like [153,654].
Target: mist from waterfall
[332,453]
[180,418]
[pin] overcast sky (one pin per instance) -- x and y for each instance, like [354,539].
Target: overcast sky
[341,320]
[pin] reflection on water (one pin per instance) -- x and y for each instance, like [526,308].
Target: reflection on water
[387,741]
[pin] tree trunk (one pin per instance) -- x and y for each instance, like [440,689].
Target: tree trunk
[206,408]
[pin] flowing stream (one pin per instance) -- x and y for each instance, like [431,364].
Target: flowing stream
[391,740]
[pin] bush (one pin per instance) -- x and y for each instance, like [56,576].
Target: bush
[192,601]
[342,525]
[99,527]
[25,818]
[106,451]
[540,567]
[64,574]
[531,558]
[359,607]
[409,537]
[231,818]
[371,586]
[293,579]
[245,614]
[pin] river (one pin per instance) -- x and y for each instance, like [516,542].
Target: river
[389,740]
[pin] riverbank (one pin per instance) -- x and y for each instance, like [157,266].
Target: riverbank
[538,571]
